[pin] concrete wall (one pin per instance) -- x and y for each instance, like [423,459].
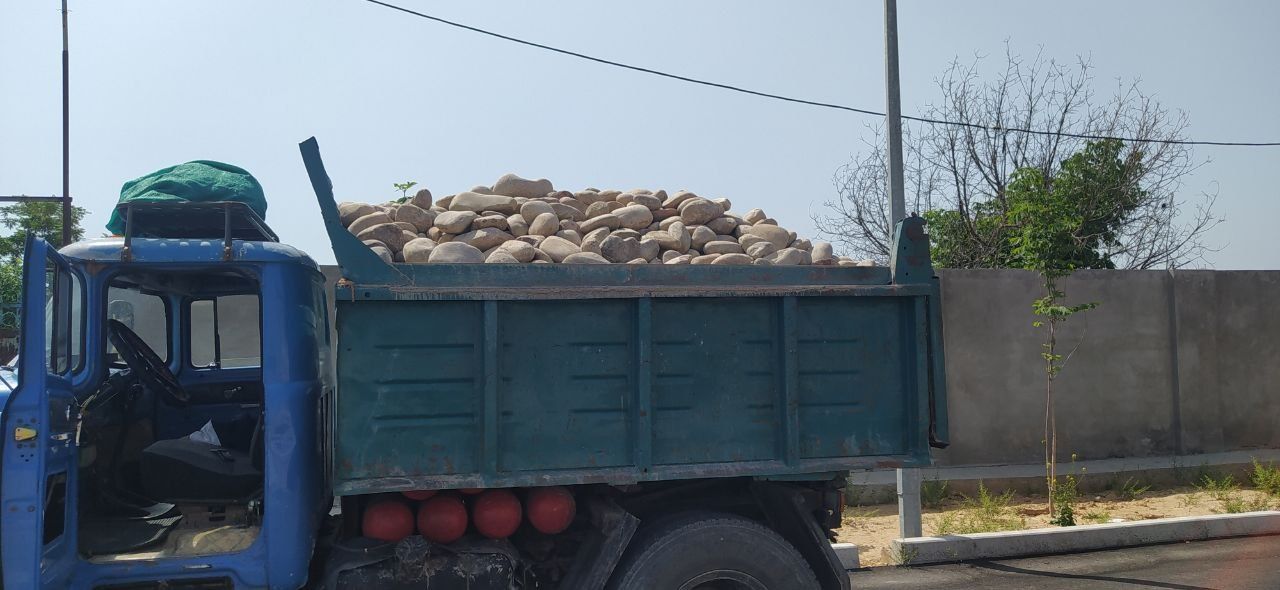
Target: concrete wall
[1170,363]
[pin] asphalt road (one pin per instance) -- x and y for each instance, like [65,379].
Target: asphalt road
[1229,564]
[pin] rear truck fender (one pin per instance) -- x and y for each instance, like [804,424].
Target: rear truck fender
[794,512]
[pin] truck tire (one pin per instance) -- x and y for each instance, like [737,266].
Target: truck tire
[710,550]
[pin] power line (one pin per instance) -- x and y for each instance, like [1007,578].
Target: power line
[815,103]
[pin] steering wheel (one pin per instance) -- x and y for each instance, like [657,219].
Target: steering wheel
[145,362]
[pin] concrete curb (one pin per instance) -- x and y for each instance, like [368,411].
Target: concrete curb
[1077,468]
[848,554]
[951,548]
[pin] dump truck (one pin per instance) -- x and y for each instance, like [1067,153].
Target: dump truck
[187,414]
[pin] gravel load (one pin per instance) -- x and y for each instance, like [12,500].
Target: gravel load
[522,221]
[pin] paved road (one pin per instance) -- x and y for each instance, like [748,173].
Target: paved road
[1230,564]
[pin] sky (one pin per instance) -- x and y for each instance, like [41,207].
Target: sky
[392,97]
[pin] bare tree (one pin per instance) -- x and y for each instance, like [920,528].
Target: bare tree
[967,168]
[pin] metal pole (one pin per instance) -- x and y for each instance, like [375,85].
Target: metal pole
[909,522]
[66,134]
[893,110]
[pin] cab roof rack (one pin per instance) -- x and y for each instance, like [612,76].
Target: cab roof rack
[213,220]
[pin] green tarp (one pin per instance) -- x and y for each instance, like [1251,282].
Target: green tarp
[201,181]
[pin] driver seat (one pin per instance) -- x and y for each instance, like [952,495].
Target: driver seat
[185,470]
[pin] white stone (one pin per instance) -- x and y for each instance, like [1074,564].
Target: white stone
[722,247]
[651,202]
[469,201]
[634,216]
[558,248]
[780,238]
[484,238]
[494,221]
[500,257]
[564,211]
[608,220]
[649,248]
[677,199]
[517,225]
[421,219]
[367,221]
[761,249]
[699,211]
[455,222]
[389,234]
[747,240]
[456,253]
[545,224]
[823,253]
[421,199]
[787,257]
[585,258]
[521,251]
[515,186]
[591,241]
[619,249]
[570,235]
[722,225]
[349,211]
[530,210]
[699,236]
[384,254]
[733,258]
[418,250]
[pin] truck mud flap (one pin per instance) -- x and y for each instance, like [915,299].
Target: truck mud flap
[611,531]
[357,553]
[791,514]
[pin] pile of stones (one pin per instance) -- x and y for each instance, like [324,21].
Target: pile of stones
[518,220]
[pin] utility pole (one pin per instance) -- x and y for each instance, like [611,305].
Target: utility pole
[66,134]
[893,114]
[65,199]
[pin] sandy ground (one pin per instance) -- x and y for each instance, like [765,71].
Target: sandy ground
[871,528]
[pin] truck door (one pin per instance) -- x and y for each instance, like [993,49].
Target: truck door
[38,482]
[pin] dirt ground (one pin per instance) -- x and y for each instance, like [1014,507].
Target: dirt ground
[871,528]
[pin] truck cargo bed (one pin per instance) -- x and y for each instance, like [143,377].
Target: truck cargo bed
[492,375]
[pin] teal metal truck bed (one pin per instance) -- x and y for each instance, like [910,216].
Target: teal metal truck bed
[454,376]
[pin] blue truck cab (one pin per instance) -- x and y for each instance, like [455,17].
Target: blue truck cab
[183,417]
[102,481]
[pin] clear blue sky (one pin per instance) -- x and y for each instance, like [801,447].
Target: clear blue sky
[392,97]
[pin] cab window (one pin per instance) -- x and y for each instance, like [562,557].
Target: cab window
[63,327]
[145,314]
[225,332]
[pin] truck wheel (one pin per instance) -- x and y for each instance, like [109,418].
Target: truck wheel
[711,551]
